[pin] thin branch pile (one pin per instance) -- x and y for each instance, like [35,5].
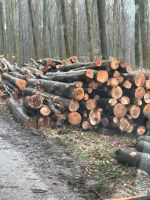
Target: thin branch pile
[51,92]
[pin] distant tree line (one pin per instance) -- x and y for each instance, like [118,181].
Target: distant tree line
[86,28]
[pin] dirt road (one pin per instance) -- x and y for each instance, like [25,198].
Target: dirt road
[31,167]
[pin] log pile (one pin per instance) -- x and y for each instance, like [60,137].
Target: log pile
[49,92]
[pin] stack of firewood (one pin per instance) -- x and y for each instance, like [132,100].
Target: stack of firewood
[49,92]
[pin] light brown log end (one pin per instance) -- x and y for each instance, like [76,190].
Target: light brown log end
[102,76]
[141,130]
[116,92]
[21,84]
[94,117]
[139,79]
[74,118]
[78,94]
[98,62]
[91,104]
[73,105]
[139,93]
[119,110]
[45,110]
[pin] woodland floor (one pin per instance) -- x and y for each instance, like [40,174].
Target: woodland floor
[65,163]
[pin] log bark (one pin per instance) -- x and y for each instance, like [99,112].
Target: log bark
[59,88]
[21,84]
[19,113]
[131,157]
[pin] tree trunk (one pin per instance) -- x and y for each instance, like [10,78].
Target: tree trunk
[101,6]
[74,17]
[65,28]
[137,33]
[31,13]
[88,7]
[144,37]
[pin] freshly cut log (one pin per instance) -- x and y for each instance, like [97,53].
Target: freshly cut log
[90,73]
[114,82]
[124,124]
[138,102]
[73,59]
[125,100]
[112,102]
[86,97]
[139,79]
[79,84]
[141,130]
[67,62]
[146,111]
[93,85]
[119,110]
[70,66]
[44,122]
[59,88]
[98,62]
[131,157]
[115,120]
[139,93]
[143,146]
[73,105]
[147,97]
[45,111]
[78,94]
[116,92]
[70,76]
[94,117]
[127,84]
[114,64]
[116,74]
[135,111]
[144,138]
[19,113]
[91,104]
[130,128]
[121,79]
[147,84]
[35,101]
[74,118]
[128,69]
[21,84]
[102,76]
[86,125]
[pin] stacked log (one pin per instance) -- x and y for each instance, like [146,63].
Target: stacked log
[91,95]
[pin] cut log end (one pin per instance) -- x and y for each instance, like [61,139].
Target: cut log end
[119,110]
[89,73]
[114,64]
[78,94]
[135,111]
[91,104]
[127,84]
[139,79]
[147,97]
[146,111]
[112,102]
[21,84]
[139,93]
[116,92]
[86,125]
[125,100]
[102,76]
[35,101]
[74,118]
[141,130]
[73,105]
[98,62]
[94,117]
[124,124]
[45,110]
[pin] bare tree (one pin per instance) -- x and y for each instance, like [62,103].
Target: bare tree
[45,44]
[74,17]
[64,21]
[144,36]
[2,30]
[101,6]
[88,5]
[31,13]
[137,33]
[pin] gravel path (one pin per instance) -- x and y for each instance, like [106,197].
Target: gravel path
[31,167]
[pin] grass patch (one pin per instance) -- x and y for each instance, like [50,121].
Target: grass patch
[95,152]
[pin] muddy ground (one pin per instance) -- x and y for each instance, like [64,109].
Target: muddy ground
[63,164]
